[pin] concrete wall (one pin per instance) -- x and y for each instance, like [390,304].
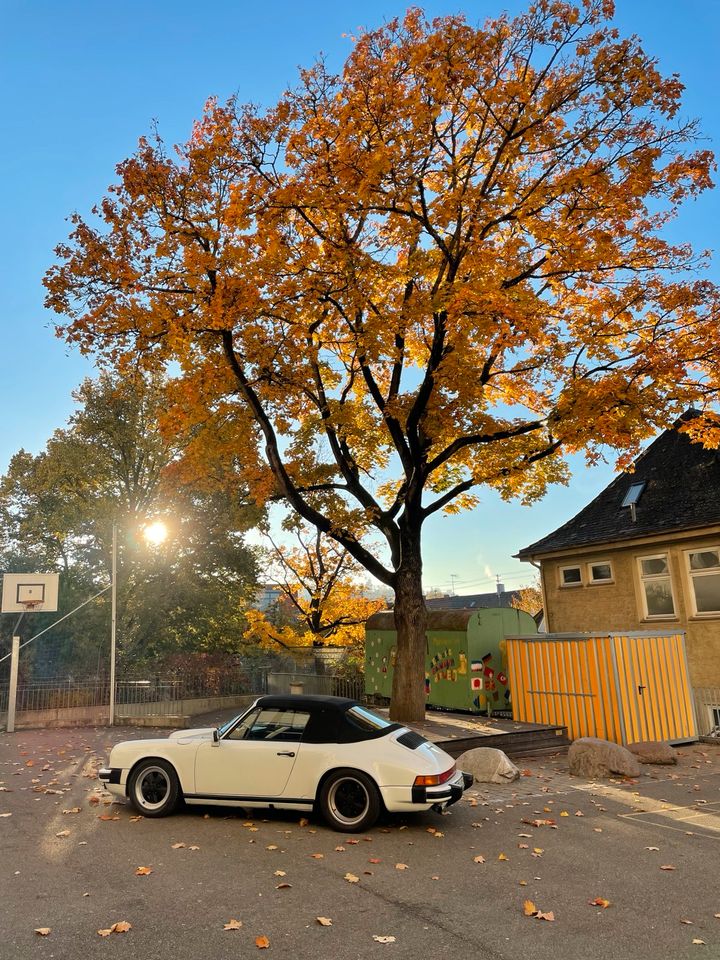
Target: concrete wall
[171,713]
[618,606]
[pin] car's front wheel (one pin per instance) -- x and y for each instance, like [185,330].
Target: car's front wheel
[154,789]
[349,801]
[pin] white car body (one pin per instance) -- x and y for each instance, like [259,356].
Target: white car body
[279,772]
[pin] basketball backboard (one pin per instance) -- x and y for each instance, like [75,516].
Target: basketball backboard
[30,592]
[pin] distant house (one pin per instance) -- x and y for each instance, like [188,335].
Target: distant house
[499,598]
[644,555]
[267,597]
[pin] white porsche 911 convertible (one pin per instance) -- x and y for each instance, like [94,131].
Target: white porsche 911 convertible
[291,753]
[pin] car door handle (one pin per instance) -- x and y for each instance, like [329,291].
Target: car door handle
[287,753]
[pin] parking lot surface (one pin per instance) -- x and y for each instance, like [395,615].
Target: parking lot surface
[423,886]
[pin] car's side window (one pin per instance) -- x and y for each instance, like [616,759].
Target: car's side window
[278,725]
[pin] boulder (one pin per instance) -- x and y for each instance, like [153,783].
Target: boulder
[653,751]
[592,758]
[488,765]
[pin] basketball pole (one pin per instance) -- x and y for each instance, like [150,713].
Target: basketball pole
[113,623]
[12,692]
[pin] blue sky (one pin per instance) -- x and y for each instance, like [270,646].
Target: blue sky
[81,81]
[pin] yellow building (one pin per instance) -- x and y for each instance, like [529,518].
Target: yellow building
[645,556]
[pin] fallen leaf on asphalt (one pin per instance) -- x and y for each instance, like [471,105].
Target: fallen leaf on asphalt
[303,822]
[94,800]
[523,846]
[143,871]
[272,846]
[435,878]
[283,886]
[5,814]
[339,849]
[579,813]
[63,833]
[262,943]
[530,910]
[121,926]
[652,848]
[178,846]
[317,856]
[351,878]
[667,866]
[697,940]
[374,860]
[135,819]
[73,810]
[502,857]
[324,921]
[352,841]
[233,925]
[193,848]
[717,916]
[479,859]
[384,939]
[599,902]
[42,931]
[107,816]
[401,866]
[688,922]
[280,873]
[564,813]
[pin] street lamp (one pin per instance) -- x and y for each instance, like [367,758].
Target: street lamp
[154,533]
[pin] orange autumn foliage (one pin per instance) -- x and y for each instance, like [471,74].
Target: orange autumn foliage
[444,268]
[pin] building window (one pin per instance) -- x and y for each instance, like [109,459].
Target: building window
[656,586]
[704,570]
[600,572]
[571,576]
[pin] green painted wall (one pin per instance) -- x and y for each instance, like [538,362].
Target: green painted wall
[465,665]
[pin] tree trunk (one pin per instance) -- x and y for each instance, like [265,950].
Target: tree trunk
[408,689]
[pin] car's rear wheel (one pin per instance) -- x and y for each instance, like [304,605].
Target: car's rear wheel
[154,789]
[349,801]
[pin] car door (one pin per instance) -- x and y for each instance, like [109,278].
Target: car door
[254,760]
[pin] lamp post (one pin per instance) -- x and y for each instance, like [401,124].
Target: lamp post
[113,624]
[154,533]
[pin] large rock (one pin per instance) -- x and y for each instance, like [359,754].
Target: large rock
[488,765]
[592,758]
[653,751]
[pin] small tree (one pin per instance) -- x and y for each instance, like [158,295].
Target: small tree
[442,268]
[321,592]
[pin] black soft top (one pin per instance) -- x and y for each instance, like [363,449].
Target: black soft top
[329,719]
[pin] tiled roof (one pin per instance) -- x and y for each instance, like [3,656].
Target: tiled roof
[681,492]
[472,601]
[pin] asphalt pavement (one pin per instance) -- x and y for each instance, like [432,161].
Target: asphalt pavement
[427,886]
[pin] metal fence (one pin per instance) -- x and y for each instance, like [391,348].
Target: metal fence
[707,711]
[157,695]
[283,683]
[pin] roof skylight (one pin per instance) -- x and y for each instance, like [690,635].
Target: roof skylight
[633,494]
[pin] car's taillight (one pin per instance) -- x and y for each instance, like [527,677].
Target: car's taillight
[434,779]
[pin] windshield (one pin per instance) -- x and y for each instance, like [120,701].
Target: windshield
[223,728]
[366,719]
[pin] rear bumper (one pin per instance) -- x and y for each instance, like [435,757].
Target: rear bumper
[445,794]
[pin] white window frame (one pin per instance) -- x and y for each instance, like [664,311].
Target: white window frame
[650,579]
[571,566]
[600,563]
[691,574]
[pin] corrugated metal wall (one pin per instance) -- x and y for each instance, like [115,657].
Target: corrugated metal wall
[617,687]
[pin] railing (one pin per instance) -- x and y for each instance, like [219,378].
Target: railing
[283,683]
[160,696]
[707,711]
